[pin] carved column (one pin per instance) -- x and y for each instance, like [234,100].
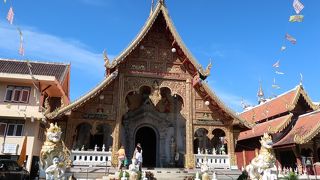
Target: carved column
[189,157]
[231,147]
[116,130]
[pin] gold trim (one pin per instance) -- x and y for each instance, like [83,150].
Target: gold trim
[308,136]
[94,92]
[281,126]
[300,91]
[225,108]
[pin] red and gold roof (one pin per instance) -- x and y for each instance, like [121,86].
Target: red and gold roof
[277,106]
[271,127]
[306,128]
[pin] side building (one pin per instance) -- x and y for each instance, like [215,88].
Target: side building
[292,119]
[27,90]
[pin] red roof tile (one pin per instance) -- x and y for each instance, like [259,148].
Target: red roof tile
[271,108]
[306,127]
[58,70]
[272,126]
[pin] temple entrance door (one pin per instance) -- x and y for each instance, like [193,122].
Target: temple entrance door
[146,136]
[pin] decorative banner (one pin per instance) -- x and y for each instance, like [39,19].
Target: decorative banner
[279,72]
[276,65]
[296,18]
[291,39]
[298,6]
[10,15]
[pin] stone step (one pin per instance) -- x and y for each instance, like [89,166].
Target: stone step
[159,173]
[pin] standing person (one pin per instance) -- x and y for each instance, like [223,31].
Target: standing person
[121,157]
[136,150]
[138,156]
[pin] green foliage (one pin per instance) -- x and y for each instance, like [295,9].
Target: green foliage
[243,176]
[121,174]
[291,176]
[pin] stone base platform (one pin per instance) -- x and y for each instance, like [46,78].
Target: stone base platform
[159,173]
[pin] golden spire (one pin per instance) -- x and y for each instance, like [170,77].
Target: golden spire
[106,59]
[260,93]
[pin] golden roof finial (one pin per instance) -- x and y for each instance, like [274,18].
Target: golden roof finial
[106,59]
[205,73]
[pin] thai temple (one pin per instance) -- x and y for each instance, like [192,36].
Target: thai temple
[154,94]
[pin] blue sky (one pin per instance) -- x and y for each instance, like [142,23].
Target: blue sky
[243,39]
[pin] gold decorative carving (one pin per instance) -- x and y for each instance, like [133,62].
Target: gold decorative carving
[165,55]
[155,95]
[176,87]
[148,53]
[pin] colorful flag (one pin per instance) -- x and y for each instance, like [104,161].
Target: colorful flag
[283,48]
[276,65]
[279,72]
[23,153]
[296,18]
[10,15]
[291,39]
[298,6]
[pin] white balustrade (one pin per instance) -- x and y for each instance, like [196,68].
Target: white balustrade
[94,158]
[214,161]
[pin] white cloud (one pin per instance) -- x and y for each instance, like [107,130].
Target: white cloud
[46,47]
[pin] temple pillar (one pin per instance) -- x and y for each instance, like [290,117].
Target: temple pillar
[189,157]
[231,148]
[116,128]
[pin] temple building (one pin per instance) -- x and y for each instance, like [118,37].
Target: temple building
[27,89]
[292,119]
[154,94]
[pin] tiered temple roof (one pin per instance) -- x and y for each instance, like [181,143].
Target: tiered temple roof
[274,115]
[189,62]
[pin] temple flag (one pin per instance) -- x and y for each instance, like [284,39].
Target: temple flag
[298,6]
[276,65]
[296,18]
[279,72]
[23,153]
[10,15]
[283,48]
[291,39]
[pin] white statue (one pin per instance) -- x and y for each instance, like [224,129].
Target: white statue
[95,148]
[54,155]
[54,171]
[214,151]
[199,152]
[103,148]
[214,176]
[124,176]
[204,170]
[263,166]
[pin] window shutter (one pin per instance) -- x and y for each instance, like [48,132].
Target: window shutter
[25,96]
[2,128]
[9,94]
[16,95]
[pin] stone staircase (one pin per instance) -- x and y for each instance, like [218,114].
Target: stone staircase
[159,173]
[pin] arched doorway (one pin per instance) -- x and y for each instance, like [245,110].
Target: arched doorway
[146,136]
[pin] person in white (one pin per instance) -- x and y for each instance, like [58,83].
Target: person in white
[139,158]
